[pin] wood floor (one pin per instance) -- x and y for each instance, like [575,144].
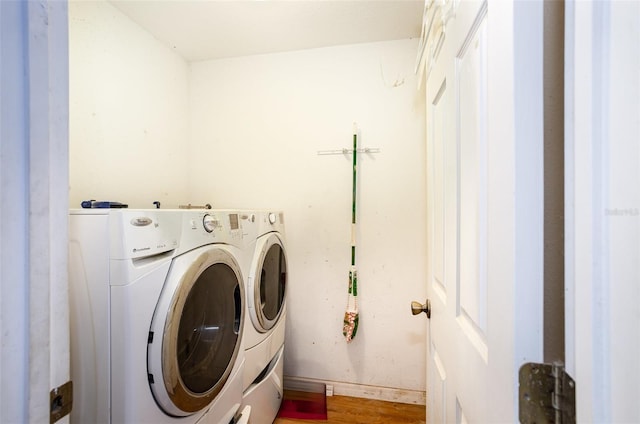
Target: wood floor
[349,410]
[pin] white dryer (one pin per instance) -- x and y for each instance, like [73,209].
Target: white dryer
[264,332]
[157,315]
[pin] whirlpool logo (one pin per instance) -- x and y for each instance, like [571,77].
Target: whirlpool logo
[141,221]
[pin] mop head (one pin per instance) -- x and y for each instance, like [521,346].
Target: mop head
[350,327]
[350,323]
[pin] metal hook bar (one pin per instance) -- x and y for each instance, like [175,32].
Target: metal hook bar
[348,151]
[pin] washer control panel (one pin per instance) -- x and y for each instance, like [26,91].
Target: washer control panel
[210,223]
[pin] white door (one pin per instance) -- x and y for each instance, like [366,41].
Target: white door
[602,139]
[483,64]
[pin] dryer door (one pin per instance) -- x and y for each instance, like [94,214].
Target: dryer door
[267,282]
[196,330]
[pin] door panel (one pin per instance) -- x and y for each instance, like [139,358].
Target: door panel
[460,417]
[438,377]
[436,373]
[439,113]
[471,126]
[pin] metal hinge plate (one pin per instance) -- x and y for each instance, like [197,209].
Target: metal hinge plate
[547,394]
[60,401]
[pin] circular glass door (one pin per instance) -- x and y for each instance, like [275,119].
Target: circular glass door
[199,320]
[269,281]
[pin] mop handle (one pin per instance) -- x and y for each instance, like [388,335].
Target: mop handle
[353,199]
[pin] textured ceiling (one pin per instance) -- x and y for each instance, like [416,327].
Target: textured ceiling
[212,29]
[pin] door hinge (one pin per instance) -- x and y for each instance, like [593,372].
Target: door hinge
[60,401]
[547,394]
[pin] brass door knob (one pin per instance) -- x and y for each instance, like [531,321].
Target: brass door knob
[417,307]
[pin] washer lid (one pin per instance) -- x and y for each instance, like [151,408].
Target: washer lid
[196,330]
[267,282]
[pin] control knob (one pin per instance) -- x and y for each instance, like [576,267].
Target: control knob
[209,223]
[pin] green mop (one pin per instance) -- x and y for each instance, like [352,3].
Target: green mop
[350,326]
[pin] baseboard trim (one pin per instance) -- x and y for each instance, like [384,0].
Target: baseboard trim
[389,394]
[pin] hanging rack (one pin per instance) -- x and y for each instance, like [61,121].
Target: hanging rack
[346,151]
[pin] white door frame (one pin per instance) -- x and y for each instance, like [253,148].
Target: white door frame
[34,123]
[602,208]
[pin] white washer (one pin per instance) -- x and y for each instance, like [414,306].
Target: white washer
[264,332]
[157,316]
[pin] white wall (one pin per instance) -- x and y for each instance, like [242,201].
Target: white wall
[257,124]
[128,111]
